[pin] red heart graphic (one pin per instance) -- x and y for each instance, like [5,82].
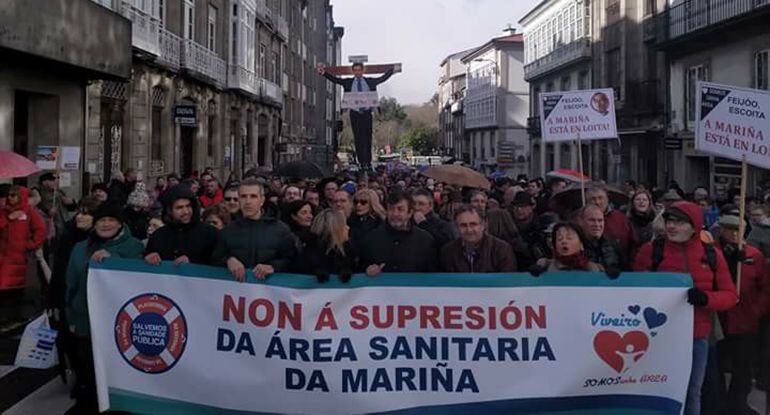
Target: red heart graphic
[619,352]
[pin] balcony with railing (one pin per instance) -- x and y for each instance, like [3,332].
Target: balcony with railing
[170,49]
[145,30]
[693,17]
[199,60]
[562,55]
[642,98]
[243,79]
[271,91]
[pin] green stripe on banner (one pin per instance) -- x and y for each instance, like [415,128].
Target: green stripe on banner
[122,400]
[564,279]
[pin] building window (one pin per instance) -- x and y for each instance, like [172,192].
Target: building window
[162,12]
[234,47]
[189,19]
[583,80]
[156,149]
[212,29]
[649,7]
[549,87]
[566,83]
[262,62]
[492,144]
[613,71]
[612,11]
[692,76]
[536,102]
[579,22]
[210,141]
[761,71]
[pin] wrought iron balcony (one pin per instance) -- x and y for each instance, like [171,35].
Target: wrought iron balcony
[694,16]
[564,54]
[170,49]
[271,91]
[199,60]
[243,79]
[145,30]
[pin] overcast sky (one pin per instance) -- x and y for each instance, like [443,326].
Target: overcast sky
[420,34]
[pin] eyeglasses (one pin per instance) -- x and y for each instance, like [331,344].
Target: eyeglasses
[231,199]
[362,202]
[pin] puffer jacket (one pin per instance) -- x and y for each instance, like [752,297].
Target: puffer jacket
[690,258]
[123,245]
[618,227]
[744,317]
[263,241]
[17,238]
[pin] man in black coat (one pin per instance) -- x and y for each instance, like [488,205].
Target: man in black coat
[360,119]
[184,239]
[397,245]
[263,244]
[532,242]
[426,219]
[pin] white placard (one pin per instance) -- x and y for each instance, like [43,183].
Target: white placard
[70,158]
[358,100]
[65,179]
[733,123]
[588,114]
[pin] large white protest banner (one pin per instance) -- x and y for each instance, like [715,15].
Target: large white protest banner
[572,115]
[733,123]
[187,339]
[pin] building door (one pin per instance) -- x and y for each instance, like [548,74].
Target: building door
[263,126]
[187,150]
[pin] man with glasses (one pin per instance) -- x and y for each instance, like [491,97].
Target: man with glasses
[231,202]
[184,239]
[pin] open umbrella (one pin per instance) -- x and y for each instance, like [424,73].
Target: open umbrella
[567,174]
[458,176]
[301,169]
[15,165]
[571,199]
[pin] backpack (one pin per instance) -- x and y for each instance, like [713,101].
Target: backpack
[658,245]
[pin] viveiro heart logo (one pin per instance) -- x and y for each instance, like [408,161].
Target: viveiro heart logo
[621,352]
[653,318]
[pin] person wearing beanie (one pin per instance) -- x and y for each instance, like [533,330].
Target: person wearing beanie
[184,239]
[137,213]
[684,251]
[108,239]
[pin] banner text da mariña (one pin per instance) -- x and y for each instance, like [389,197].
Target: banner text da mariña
[505,334]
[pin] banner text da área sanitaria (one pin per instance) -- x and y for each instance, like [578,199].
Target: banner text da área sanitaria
[191,339]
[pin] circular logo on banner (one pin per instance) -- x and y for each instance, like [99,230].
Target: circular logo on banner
[151,333]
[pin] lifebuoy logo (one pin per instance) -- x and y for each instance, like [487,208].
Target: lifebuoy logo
[151,333]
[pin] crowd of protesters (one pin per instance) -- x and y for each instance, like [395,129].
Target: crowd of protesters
[406,223]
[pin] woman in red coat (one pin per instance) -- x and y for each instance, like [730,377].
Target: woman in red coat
[21,230]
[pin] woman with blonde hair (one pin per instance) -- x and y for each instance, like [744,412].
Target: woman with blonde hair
[330,252]
[368,214]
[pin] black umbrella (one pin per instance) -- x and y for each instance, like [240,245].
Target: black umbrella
[569,200]
[301,169]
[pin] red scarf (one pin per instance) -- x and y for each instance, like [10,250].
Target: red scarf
[576,261]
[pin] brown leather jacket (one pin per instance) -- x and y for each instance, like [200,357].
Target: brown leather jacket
[491,255]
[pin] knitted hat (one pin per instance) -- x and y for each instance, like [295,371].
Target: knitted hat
[139,197]
[111,210]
